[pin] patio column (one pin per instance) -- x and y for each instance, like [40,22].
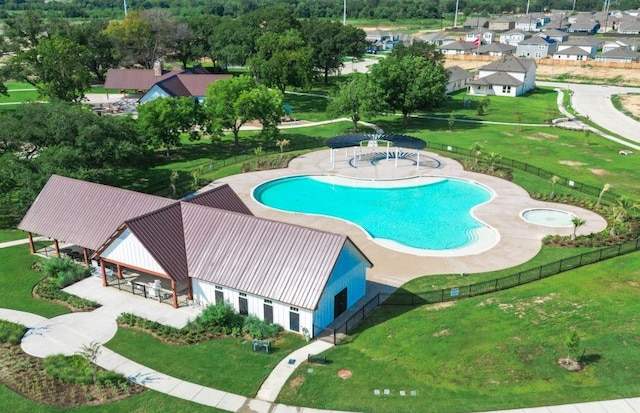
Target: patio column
[396,156]
[85,254]
[32,247]
[175,294]
[57,247]
[190,288]
[104,274]
[119,271]
[418,157]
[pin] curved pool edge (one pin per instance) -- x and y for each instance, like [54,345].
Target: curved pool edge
[486,237]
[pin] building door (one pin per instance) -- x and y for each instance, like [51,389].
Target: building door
[219,296]
[243,306]
[294,321]
[339,303]
[268,313]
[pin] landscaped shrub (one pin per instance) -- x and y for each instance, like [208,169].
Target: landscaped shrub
[49,289]
[78,370]
[11,333]
[64,271]
[259,329]
[221,315]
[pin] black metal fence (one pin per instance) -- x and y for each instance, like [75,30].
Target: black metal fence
[338,334]
[512,163]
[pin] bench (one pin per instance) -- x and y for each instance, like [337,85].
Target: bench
[261,345]
[316,359]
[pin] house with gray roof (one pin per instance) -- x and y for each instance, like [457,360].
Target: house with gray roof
[619,55]
[631,26]
[502,23]
[536,47]
[486,36]
[514,37]
[584,26]
[458,47]
[206,249]
[475,22]
[496,49]
[509,76]
[556,35]
[437,38]
[458,79]
[571,53]
[590,44]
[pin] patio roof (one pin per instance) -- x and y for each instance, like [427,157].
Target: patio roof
[354,139]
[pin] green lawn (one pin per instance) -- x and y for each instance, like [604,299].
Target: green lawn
[535,107]
[11,235]
[225,364]
[310,108]
[492,352]
[17,280]
[149,401]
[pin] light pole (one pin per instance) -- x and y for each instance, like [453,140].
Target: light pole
[455,16]
[528,1]
[344,14]
[125,8]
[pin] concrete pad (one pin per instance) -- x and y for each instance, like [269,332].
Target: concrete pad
[283,408]
[617,406]
[209,397]
[593,407]
[537,410]
[259,406]
[232,402]
[91,326]
[634,403]
[186,390]
[28,320]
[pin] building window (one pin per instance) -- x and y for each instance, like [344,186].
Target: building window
[218,287]
[243,294]
[506,89]
[267,301]
[294,309]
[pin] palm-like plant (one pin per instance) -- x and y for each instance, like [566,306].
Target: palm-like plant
[577,222]
[477,152]
[493,159]
[605,188]
[282,143]
[554,181]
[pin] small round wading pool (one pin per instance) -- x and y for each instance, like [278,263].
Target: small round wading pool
[548,217]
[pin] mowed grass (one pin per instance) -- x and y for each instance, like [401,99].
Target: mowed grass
[491,352]
[225,364]
[11,235]
[17,281]
[149,401]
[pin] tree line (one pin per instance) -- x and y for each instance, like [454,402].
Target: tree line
[61,59]
[387,10]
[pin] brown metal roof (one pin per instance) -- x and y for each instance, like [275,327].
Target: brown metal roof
[283,262]
[222,197]
[196,84]
[84,213]
[133,79]
[161,233]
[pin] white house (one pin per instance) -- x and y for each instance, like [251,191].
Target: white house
[514,37]
[509,76]
[571,53]
[486,36]
[209,248]
[458,79]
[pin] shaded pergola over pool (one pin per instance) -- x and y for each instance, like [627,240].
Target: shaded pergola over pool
[357,141]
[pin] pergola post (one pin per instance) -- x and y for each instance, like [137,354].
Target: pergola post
[189,289]
[355,159]
[104,274]
[418,157]
[175,294]
[388,150]
[333,158]
[119,271]
[85,255]
[396,156]
[32,247]
[57,247]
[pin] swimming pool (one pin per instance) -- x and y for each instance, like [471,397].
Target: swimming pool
[413,215]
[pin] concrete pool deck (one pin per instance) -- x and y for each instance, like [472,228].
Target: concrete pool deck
[519,241]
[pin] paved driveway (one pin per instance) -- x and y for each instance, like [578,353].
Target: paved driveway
[594,101]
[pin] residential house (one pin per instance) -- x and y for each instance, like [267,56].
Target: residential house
[528,24]
[381,39]
[536,47]
[556,35]
[458,47]
[438,38]
[509,76]
[590,44]
[496,49]
[571,53]
[502,23]
[584,26]
[629,27]
[475,22]
[631,44]
[619,55]
[157,82]
[208,249]
[486,36]
[458,79]
[514,37]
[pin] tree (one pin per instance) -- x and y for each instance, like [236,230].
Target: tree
[605,188]
[419,49]
[451,121]
[91,352]
[410,84]
[163,120]
[572,344]
[477,152]
[283,60]
[354,98]
[554,181]
[492,159]
[100,48]
[230,103]
[577,222]
[331,42]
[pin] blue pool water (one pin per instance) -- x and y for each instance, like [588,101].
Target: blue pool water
[433,216]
